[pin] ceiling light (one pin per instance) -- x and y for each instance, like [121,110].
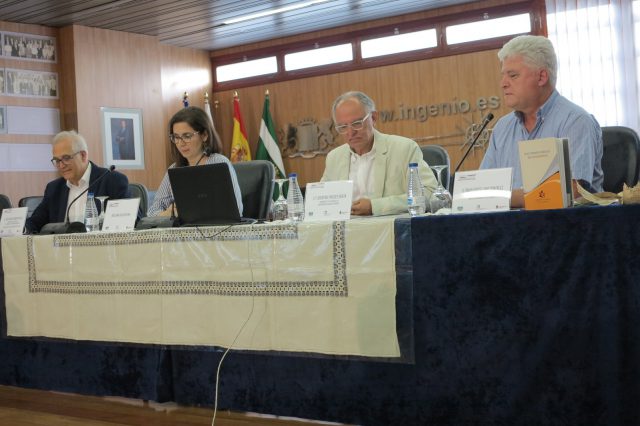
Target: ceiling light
[273,12]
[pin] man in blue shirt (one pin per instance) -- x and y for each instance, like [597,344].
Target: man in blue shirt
[529,70]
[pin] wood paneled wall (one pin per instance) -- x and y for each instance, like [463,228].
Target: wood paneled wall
[101,68]
[19,184]
[447,80]
[416,84]
[123,70]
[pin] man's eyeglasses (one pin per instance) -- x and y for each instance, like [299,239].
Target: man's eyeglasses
[65,159]
[356,125]
[185,137]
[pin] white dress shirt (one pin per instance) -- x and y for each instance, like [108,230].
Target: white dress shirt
[361,173]
[76,214]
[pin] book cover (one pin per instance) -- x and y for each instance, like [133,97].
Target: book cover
[546,173]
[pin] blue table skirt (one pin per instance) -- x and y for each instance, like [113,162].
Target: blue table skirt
[519,318]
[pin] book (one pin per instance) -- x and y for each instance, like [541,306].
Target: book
[546,173]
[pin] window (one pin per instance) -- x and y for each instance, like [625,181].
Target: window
[319,56]
[489,28]
[246,69]
[399,43]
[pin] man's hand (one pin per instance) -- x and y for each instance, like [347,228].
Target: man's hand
[361,207]
[517,198]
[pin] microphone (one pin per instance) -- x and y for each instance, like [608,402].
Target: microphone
[485,122]
[75,227]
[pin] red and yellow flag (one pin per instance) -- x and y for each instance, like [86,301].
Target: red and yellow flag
[239,145]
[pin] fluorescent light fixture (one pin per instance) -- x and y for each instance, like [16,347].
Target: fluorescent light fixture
[273,12]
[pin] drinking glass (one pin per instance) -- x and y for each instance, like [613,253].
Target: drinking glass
[103,206]
[279,209]
[440,198]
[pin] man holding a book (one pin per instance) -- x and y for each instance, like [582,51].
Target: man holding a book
[529,70]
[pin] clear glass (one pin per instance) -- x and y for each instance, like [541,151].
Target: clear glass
[246,69]
[103,201]
[489,28]
[399,43]
[440,198]
[318,57]
[279,208]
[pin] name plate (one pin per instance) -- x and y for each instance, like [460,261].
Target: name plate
[482,190]
[328,200]
[12,221]
[121,215]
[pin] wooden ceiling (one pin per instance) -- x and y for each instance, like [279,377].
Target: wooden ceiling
[201,24]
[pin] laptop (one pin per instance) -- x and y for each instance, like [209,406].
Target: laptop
[204,195]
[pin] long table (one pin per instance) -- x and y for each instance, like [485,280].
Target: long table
[518,318]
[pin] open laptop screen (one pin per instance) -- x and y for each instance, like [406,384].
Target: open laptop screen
[204,195]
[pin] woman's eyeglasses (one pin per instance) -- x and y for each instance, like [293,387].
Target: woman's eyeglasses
[185,137]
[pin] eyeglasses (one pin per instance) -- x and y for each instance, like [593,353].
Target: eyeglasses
[185,137]
[356,125]
[65,159]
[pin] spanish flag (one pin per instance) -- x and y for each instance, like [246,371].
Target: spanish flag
[239,145]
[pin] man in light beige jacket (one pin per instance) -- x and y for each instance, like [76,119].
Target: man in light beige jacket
[376,163]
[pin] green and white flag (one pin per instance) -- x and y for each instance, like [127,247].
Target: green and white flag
[268,148]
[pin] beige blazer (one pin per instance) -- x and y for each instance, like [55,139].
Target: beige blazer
[390,165]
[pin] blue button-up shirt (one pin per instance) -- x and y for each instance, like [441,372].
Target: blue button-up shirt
[557,118]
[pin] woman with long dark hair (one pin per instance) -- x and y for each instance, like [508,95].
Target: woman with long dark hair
[194,141]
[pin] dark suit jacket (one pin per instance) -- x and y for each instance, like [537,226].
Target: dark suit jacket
[53,207]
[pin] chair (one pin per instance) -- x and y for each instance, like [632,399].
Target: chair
[138,190]
[30,203]
[620,157]
[435,155]
[5,203]
[256,185]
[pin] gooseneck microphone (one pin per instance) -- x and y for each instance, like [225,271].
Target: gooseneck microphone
[486,121]
[75,227]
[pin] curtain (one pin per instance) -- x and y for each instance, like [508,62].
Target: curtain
[598,47]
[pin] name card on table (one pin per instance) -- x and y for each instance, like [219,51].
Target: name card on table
[328,200]
[12,221]
[121,215]
[482,190]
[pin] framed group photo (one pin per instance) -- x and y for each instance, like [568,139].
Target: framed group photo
[122,137]
[31,84]
[28,47]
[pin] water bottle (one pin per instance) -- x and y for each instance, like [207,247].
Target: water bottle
[415,194]
[91,218]
[295,202]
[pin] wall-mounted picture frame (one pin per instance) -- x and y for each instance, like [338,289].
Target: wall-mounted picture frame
[122,137]
[3,119]
[31,84]
[28,47]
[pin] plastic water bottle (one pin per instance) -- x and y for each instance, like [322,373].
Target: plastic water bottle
[295,201]
[415,194]
[91,217]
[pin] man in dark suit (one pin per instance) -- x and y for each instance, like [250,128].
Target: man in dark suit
[71,158]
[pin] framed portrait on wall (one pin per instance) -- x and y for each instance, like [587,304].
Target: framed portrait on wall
[29,47]
[3,119]
[122,137]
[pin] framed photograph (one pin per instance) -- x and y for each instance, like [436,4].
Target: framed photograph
[122,137]
[29,47]
[3,119]
[31,84]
